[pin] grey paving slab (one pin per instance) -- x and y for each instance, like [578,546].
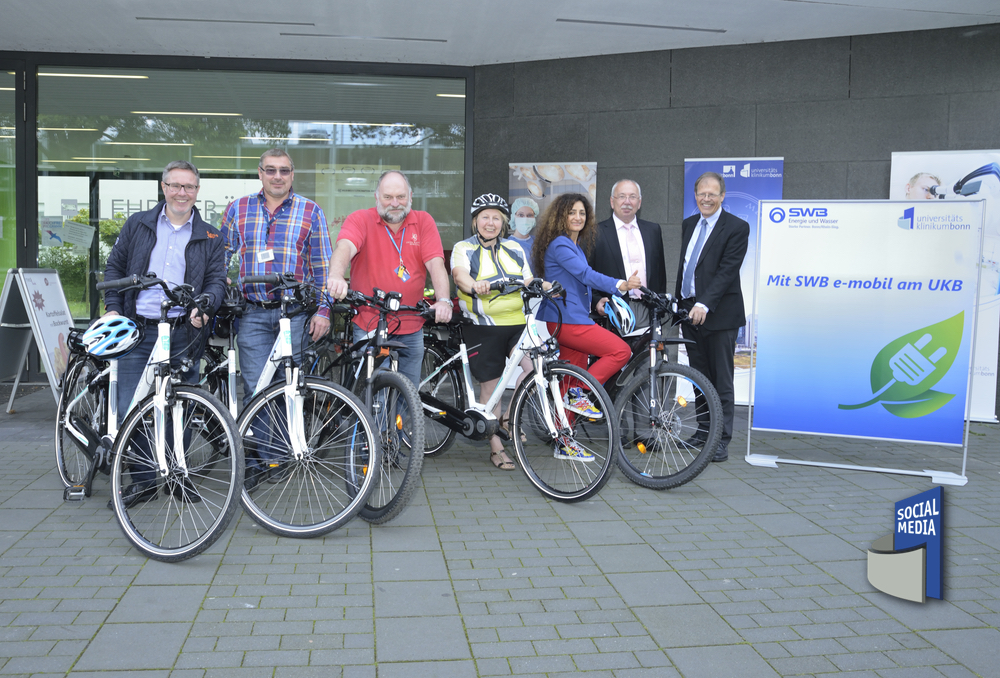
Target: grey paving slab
[642,589]
[200,570]
[628,558]
[134,646]
[414,599]
[420,639]
[712,662]
[164,603]
[395,566]
[604,532]
[405,538]
[686,626]
[452,669]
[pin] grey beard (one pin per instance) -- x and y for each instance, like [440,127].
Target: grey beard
[393,220]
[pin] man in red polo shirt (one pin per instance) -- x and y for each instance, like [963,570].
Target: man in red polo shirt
[392,247]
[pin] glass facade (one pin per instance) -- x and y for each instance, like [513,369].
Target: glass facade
[104,136]
[8,175]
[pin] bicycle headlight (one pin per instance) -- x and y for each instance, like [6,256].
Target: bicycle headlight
[393,304]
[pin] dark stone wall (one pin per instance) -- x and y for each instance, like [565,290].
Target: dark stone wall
[835,109]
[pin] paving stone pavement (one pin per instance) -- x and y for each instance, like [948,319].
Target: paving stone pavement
[746,571]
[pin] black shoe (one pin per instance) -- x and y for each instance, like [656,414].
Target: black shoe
[135,493]
[697,440]
[278,473]
[252,478]
[184,490]
[721,452]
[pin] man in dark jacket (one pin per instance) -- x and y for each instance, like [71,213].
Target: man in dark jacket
[172,241]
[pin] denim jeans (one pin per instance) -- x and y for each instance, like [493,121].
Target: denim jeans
[410,357]
[258,330]
[130,369]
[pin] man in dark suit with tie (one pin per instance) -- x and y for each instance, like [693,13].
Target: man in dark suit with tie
[713,245]
[626,244]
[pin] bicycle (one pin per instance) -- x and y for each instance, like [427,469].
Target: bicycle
[542,422]
[310,441]
[391,398]
[220,375]
[669,415]
[173,436]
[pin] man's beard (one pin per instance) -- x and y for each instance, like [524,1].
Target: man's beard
[393,219]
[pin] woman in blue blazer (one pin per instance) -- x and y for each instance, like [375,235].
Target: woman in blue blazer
[562,241]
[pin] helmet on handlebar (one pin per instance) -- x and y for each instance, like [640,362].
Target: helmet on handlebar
[620,314]
[112,337]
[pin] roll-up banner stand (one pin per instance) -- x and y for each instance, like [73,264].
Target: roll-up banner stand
[965,175]
[866,323]
[748,181]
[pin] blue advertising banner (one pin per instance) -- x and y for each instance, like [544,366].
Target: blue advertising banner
[748,181]
[866,316]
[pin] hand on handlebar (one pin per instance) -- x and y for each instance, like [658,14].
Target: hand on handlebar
[337,287]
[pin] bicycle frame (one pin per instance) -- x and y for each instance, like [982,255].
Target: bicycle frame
[281,352]
[530,343]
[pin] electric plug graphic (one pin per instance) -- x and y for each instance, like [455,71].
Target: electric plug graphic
[912,365]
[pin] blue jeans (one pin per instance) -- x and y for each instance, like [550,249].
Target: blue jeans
[130,369]
[410,357]
[258,330]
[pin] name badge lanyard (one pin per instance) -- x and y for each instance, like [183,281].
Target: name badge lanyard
[400,272]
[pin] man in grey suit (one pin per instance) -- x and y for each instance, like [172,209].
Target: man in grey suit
[626,244]
[713,245]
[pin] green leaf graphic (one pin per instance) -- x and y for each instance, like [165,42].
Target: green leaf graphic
[904,371]
[929,401]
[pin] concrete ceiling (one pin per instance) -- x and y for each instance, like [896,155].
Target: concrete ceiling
[453,32]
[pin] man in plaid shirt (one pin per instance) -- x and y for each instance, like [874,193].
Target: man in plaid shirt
[275,231]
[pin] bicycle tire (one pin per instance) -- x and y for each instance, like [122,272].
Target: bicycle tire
[321,492]
[399,421]
[91,415]
[446,387]
[562,479]
[678,445]
[170,525]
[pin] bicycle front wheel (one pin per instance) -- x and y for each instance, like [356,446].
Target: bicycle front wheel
[446,387]
[328,486]
[399,421]
[177,516]
[668,445]
[571,464]
[83,402]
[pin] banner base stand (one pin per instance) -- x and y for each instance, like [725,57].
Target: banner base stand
[939,477]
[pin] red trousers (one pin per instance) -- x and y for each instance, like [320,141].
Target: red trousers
[578,342]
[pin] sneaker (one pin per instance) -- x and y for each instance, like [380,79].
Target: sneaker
[569,449]
[577,401]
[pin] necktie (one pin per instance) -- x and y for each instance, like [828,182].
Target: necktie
[687,287]
[634,258]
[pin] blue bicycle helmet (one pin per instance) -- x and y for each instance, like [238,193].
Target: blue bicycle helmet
[111,337]
[620,314]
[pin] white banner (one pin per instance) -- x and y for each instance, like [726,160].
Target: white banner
[965,175]
[866,313]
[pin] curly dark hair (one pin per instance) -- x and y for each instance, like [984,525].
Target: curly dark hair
[554,224]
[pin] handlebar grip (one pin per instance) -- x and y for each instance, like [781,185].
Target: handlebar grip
[272,279]
[120,282]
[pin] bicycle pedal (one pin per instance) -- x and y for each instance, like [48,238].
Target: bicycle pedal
[75,493]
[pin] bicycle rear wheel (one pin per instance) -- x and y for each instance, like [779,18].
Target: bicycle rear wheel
[446,387]
[328,486]
[399,421]
[677,444]
[558,477]
[85,405]
[177,517]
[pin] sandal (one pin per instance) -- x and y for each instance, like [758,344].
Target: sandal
[503,464]
[503,431]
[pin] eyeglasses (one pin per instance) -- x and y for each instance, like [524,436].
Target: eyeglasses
[631,196]
[177,188]
[271,171]
[708,196]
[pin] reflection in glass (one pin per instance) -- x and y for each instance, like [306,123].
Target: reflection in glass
[115,135]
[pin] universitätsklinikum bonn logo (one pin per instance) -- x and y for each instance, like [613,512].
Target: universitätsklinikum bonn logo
[907,563]
[905,222]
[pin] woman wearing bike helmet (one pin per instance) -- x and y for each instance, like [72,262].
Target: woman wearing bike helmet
[497,321]
[563,239]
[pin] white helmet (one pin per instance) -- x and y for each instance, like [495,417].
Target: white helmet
[620,314]
[112,337]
